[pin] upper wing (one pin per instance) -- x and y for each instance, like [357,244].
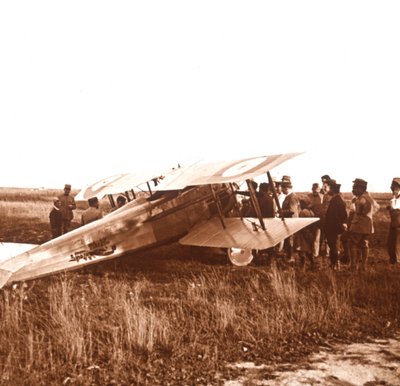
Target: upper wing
[222,172]
[115,184]
[197,174]
[240,233]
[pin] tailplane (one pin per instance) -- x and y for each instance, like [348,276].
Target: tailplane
[8,250]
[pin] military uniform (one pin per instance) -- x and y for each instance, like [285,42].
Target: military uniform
[56,222]
[393,243]
[335,218]
[67,205]
[361,226]
[290,208]
[91,214]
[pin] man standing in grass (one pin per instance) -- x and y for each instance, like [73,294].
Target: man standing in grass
[335,222]
[67,205]
[315,198]
[361,225]
[326,197]
[290,209]
[393,244]
[56,219]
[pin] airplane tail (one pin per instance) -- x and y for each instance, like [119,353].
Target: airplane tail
[8,251]
[4,276]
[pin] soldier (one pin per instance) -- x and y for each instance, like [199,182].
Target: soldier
[290,208]
[93,212]
[281,196]
[67,205]
[56,219]
[265,200]
[361,225]
[121,201]
[305,238]
[324,247]
[315,198]
[393,243]
[335,222]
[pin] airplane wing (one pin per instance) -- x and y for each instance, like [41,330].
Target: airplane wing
[8,250]
[241,234]
[115,184]
[98,241]
[223,172]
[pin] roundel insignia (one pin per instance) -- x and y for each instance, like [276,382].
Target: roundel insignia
[243,167]
[97,187]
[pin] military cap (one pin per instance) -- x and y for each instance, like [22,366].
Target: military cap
[286,179]
[335,187]
[67,186]
[287,184]
[360,182]
[395,182]
[93,201]
[325,178]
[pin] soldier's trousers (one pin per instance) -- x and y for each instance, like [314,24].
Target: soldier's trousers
[393,245]
[359,249]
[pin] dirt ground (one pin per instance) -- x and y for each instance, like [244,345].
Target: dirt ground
[376,362]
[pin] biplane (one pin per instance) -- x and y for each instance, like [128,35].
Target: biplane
[195,205]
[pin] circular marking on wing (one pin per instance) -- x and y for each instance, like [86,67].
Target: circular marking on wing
[98,186]
[243,167]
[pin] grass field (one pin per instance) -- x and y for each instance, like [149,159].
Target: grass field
[172,316]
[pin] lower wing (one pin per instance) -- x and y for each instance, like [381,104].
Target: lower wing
[244,233]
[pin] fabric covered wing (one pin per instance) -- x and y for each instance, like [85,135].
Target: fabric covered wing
[241,234]
[223,172]
[8,250]
[115,184]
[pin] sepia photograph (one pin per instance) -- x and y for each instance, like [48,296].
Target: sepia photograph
[199,193]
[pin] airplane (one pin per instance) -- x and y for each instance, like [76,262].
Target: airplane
[195,205]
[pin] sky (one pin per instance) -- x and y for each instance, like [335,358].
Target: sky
[89,89]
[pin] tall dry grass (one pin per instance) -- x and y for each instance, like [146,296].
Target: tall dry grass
[24,214]
[76,326]
[163,317]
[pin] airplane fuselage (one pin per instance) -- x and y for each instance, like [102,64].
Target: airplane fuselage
[142,223]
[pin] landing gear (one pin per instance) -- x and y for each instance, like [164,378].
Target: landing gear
[240,256]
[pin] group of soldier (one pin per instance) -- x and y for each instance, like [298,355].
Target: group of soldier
[342,233]
[61,213]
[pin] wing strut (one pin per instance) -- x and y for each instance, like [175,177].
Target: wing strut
[254,202]
[239,212]
[148,185]
[218,204]
[111,199]
[272,185]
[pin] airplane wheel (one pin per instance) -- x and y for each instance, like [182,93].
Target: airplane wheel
[239,256]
